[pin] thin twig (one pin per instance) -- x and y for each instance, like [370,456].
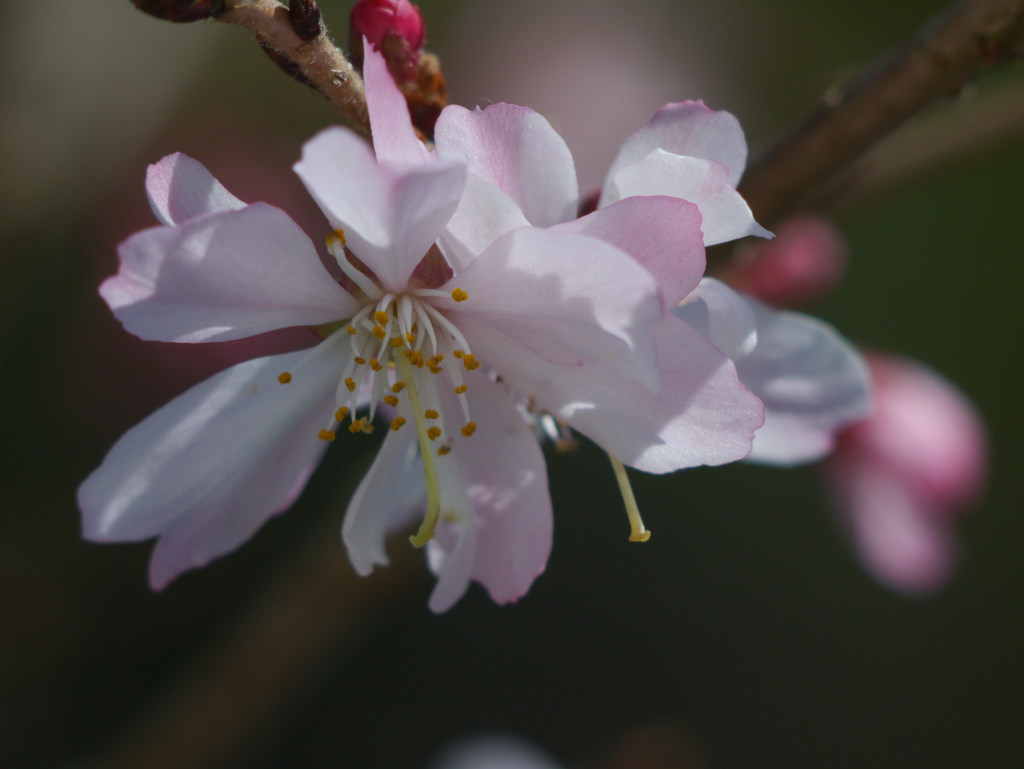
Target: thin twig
[319,61]
[935,63]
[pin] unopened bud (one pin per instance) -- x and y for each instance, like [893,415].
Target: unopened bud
[395,28]
[305,17]
[181,10]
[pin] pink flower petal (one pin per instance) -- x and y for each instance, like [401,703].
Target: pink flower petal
[224,276]
[180,188]
[208,469]
[701,415]
[565,297]
[485,213]
[725,215]
[663,234]
[690,129]
[394,139]
[497,524]
[518,151]
[390,217]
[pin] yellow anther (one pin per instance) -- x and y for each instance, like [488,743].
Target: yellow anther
[284,377]
[470,362]
[431,414]
[352,330]
[439,357]
[326,435]
[375,364]
[396,341]
[341,413]
[458,353]
[459,295]
[460,389]
[410,339]
[338,234]
[378,332]
[415,357]
[351,385]
[360,361]
[397,422]
[391,400]
[397,387]
[356,426]
[444,450]
[469,429]
[381,317]
[435,369]
[434,432]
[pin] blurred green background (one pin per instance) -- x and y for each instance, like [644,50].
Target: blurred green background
[743,634]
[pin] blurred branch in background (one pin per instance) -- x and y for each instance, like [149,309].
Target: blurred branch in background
[955,46]
[219,710]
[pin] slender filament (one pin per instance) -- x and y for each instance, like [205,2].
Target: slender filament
[426,532]
[639,533]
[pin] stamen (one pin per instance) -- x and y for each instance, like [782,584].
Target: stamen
[458,353]
[368,286]
[425,322]
[284,377]
[341,413]
[352,330]
[459,295]
[434,432]
[448,326]
[378,332]
[431,414]
[375,364]
[426,532]
[391,400]
[460,389]
[397,422]
[381,317]
[397,341]
[350,384]
[360,361]
[470,362]
[469,429]
[326,435]
[639,533]
[398,386]
[444,450]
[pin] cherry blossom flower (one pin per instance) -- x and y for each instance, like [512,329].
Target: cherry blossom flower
[559,316]
[903,477]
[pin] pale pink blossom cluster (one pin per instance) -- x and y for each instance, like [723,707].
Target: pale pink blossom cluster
[471,297]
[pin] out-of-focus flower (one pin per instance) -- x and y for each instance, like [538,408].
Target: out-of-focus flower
[902,478]
[806,260]
[395,28]
[567,320]
[493,751]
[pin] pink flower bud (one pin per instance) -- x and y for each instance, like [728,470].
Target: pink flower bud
[395,28]
[903,476]
[806,259]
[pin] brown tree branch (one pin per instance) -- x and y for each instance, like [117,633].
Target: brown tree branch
[953,47]
[320,63]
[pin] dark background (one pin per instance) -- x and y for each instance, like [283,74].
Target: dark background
[743,634]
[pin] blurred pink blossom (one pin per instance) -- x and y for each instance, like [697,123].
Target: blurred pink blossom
[806,260]
[903,477]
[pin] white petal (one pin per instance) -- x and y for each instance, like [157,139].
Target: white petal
[812,382]
[394,139]
[496,525]
[390,495]
[690,129]
[208,469]
[485,213]
[722,316]
[390,217]
[517,150]
[663,234]
[225,276]
[701,414]
[725,215]
[566,297]
[180,188]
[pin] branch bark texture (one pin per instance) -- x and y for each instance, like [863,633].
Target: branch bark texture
[321,64]
[953,47]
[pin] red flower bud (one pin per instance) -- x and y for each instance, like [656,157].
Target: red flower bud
[395,28]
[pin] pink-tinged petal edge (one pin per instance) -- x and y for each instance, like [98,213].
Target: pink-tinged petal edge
[224,276]
[663,234]
[518,151]
[180,188]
